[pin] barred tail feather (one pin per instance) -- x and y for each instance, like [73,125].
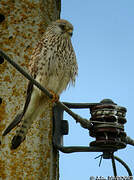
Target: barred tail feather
[26,124]
[21,133]
[16,141]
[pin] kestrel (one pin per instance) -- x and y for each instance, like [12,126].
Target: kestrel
[53,64]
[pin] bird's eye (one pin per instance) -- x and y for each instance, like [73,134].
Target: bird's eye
[62,26]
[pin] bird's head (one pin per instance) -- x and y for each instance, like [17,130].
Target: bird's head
[63,27]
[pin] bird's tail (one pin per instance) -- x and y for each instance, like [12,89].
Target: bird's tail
[33,107]
[14,123]
[26,124]
[19,116]
[20,136]
[22,131]
[16,141]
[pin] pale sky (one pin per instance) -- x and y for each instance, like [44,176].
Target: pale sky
[104,43]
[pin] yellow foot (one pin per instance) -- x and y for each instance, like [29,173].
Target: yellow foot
[55,96]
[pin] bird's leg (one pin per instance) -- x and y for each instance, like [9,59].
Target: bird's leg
[55,96]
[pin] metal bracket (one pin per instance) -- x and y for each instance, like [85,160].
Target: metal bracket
[61,128]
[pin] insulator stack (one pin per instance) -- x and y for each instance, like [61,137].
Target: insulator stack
[108,121]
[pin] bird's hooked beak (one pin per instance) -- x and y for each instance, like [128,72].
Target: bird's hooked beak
[70,32]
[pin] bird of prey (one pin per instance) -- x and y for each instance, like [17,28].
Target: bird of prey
[53,64]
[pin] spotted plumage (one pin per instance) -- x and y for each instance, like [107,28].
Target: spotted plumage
[53,64]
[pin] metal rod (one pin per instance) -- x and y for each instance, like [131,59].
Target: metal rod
[14,64]
[84,122]
[80,105]
[73,149]
[129,140]
[114,166]
[124,164]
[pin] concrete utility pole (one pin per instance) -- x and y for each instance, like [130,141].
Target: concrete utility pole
[22,22]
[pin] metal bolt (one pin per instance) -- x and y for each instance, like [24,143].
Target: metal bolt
[107,101]
[107,155]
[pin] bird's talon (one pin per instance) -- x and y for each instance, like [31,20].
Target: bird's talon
[55,96]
